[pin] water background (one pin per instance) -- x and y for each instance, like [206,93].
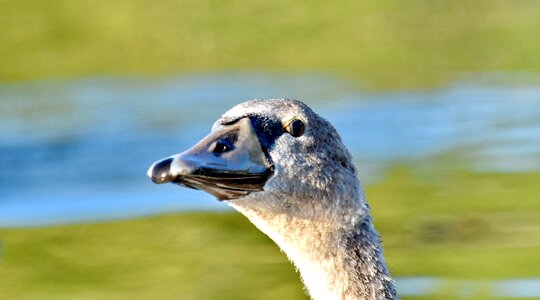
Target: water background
[78,150]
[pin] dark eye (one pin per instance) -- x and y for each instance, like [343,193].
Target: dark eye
[221,147]
[225,143]
[295,127]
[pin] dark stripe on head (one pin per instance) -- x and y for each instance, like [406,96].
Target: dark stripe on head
[267,130]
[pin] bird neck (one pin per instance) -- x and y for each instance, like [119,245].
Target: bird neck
[335,262]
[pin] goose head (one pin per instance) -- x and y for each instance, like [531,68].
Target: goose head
[286,169]
[274,157]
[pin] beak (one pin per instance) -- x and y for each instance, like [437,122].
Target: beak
[229,163]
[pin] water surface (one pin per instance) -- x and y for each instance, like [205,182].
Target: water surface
[78,150]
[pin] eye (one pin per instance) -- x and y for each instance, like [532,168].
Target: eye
[221,147]
[225,143]
[295,127]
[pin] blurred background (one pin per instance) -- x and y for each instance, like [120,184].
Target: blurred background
[439,102]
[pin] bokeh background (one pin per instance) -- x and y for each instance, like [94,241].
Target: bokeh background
[439,102]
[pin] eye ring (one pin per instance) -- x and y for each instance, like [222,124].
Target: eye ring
[295,127]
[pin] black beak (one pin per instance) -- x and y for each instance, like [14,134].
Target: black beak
[160,171]
[229,163]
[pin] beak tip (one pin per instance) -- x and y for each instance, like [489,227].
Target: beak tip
[159,172]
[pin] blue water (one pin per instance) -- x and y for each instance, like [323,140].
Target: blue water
[462,288]
[78,150]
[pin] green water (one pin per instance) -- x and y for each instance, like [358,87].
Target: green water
[459,225]
[377,44]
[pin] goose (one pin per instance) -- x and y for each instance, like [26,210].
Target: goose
[287,170]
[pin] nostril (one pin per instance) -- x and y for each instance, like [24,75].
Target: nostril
[160,172]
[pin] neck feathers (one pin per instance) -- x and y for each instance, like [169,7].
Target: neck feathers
[335,261]
[362,257]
